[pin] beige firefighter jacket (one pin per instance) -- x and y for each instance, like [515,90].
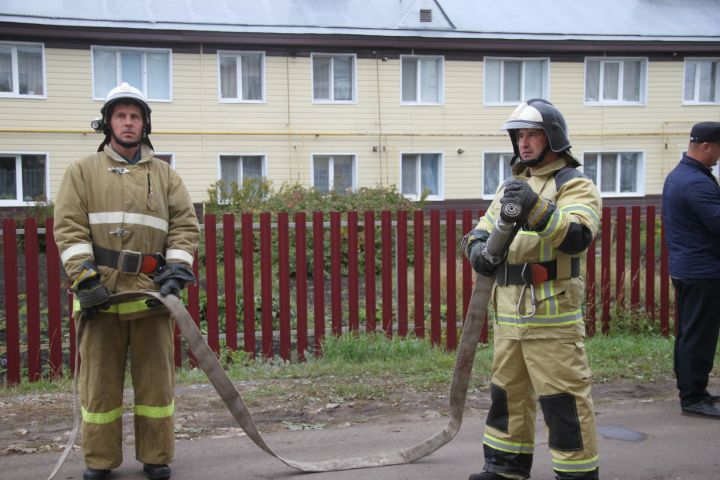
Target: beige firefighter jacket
[104,200]
[558,303]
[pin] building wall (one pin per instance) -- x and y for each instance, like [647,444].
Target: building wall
[288,128]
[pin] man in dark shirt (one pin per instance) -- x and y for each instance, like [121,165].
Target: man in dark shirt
[691,217]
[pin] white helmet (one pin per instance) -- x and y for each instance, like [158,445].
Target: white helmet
[120,94]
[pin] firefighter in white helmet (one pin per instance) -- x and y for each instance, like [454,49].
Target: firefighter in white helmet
[538,321]
[125,222]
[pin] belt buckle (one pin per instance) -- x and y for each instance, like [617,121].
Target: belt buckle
[130,261]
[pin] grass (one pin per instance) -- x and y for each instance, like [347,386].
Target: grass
[362,366]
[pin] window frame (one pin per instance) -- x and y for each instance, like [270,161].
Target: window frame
[491,196]
[238,55]
[354,169]
[441,80]
[167,154]
[620,102]
[16,73]
[502,60]
[640,171]
[118,72]
[332,101]
[696,90]
[263,162]
[441,175]
[18,179]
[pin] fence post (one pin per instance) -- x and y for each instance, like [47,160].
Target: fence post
[335,275]
[451,265]
[32,298]
[620,258]
[401,240]
[319,280]
[12,316]
[248,288]
[435,323]
[228,220]
[650,263]
[194,301]
[635,259]
[301,283]
[211,286]
[370,305]
[467,282]
[606,234]
[419,274]
[54,303]
[387,271]
[353,273]
[283,245]
[266,294]
[664,286]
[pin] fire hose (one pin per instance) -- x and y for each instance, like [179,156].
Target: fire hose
[500,238]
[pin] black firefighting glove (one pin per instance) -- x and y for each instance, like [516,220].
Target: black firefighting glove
[473,245]
[90,291]
[537,209]
[173,277]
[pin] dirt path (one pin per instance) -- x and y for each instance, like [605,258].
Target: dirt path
[42,423]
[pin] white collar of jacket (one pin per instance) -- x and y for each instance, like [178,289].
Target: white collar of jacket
[146,154]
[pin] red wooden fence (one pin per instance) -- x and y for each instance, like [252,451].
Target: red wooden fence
[421,261]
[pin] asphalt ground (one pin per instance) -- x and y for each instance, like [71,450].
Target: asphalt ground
[638,439]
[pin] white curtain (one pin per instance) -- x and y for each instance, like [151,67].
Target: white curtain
[608,173]
[611,74]
[632,72]
[430,80]
[342,173]
[592,82]
[321,78]
[6,76]
[252,76]
[535,79]
[33,177]
[228,76]
[690,70]
[158,76]
[409,80]
[409,174]
[30,69]
[343,78]
[252,166]
[105,72]
[8,188]
[321,173]
[628,172]
[512,81]
[492,81]
[430,169]
[708,81]
[131,69]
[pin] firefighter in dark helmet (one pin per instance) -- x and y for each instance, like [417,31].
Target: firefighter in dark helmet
[538,322]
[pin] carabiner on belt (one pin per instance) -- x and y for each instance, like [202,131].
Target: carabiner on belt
[521,300]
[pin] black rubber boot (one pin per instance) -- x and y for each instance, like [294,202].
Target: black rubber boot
[156,472]
[95,474]
[486,476]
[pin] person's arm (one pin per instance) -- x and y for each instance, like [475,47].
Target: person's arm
[704,199]
[71,223]
[576,219]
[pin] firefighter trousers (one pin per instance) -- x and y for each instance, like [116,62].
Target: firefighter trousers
[108,341]
[555,372]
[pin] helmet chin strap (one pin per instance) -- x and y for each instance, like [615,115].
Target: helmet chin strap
[531,163]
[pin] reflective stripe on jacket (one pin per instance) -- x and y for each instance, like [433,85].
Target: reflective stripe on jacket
[107,201]
[558,309]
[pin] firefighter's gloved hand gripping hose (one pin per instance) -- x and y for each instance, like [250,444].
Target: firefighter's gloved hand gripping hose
[500,238]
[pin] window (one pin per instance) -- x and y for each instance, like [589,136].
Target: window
[333,78]
[168,158]
[22,70]
[496,169]
[421,173]
[615,173]
[513,80]
[145,69]
[241,76]
[334,172]
[701,80]
[422,79]
[23,178]
[236,168]
[611,81]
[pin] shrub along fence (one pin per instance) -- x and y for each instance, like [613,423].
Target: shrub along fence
[276,284]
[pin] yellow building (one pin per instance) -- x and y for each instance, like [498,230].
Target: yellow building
[348,94]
